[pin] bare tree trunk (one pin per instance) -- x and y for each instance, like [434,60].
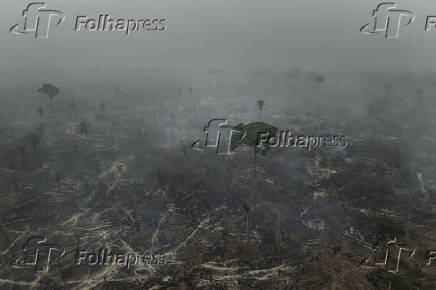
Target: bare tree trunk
[255,165]
[229,181]
[254,198]
[153,125]
[248,236]
[278,236]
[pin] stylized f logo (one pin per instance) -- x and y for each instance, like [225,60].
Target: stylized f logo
[39,254]
[388,20]
[38,20]
[219,135]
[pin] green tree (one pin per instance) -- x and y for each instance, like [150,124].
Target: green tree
[249,134]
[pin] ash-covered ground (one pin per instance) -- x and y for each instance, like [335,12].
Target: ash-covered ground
[103,167]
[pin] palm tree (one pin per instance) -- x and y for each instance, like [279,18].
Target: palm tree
[260,104]
[49,90]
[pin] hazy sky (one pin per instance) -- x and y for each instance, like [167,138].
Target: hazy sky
[223,34]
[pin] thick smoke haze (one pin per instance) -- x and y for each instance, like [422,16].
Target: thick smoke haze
[230,35]
[146,145]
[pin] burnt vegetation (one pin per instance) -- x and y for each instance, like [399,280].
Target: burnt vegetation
[114,168]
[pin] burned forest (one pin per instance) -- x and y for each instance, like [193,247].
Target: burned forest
[108,177]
